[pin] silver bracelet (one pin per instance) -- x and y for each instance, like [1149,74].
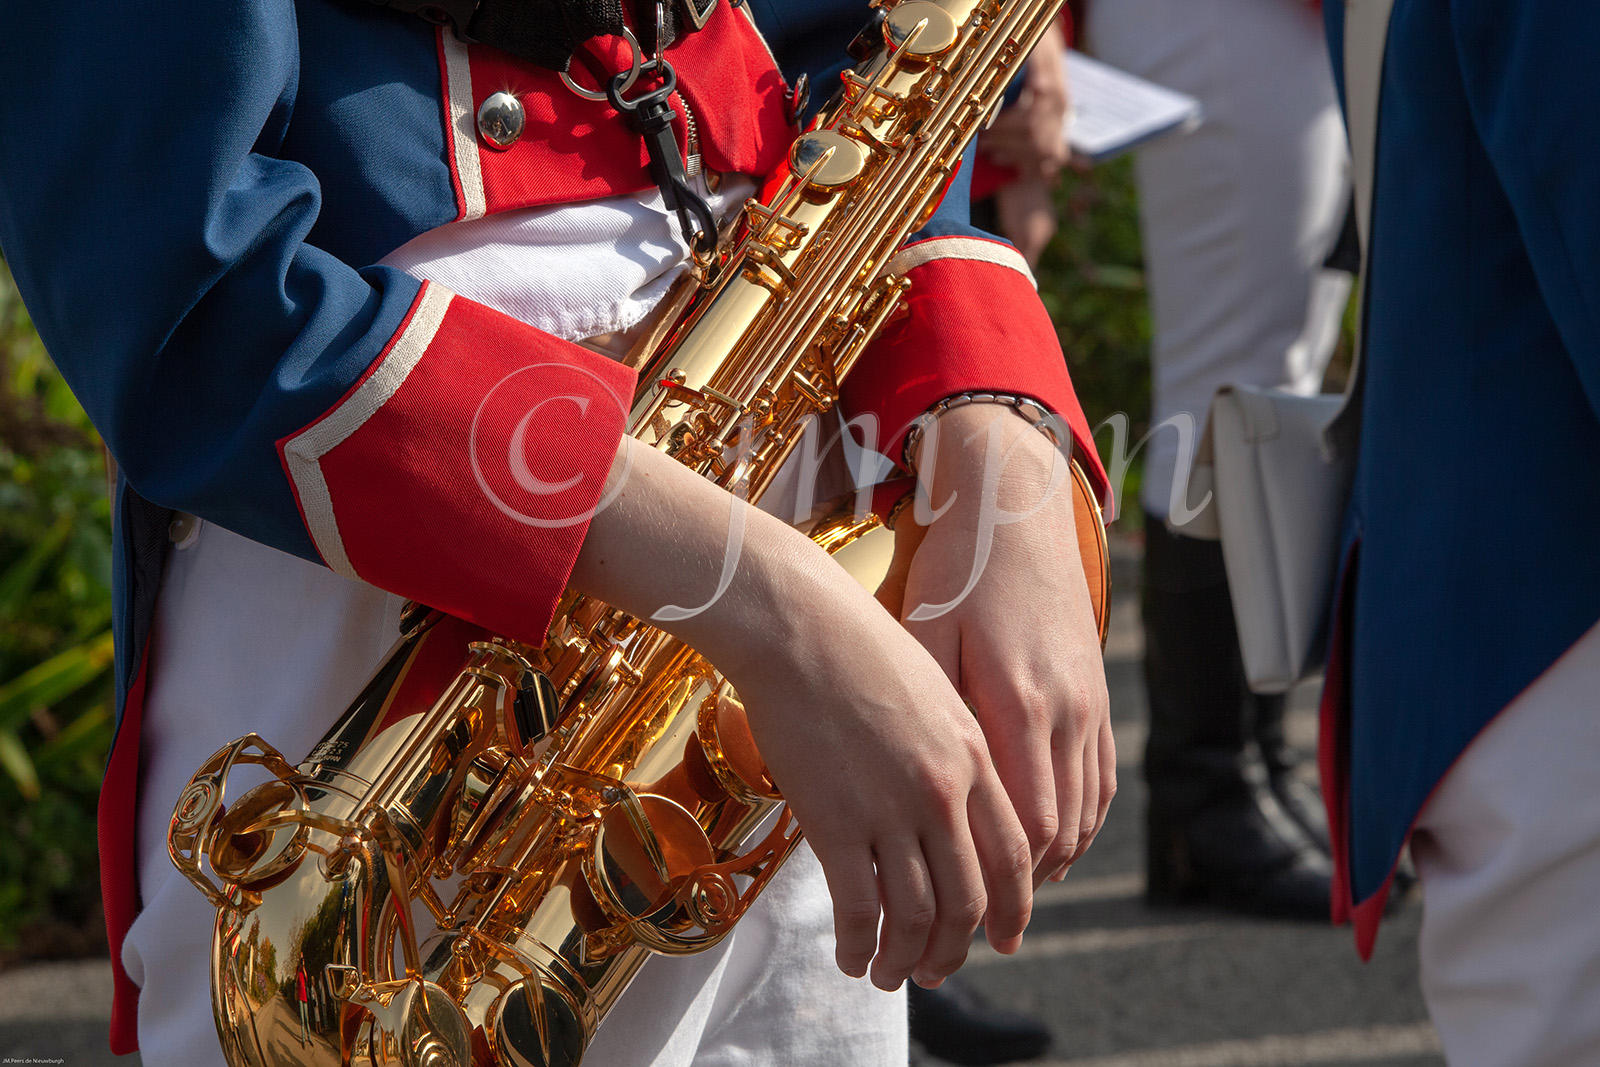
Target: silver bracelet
[1038,416]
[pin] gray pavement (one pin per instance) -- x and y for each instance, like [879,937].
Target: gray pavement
[58,1013]
[1121,985]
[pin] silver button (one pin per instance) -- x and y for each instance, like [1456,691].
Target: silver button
[183,530]
[500,120]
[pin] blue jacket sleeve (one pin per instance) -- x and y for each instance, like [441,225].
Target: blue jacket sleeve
[163,244]
[162,249]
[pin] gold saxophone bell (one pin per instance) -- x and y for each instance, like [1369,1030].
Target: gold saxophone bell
[477,858]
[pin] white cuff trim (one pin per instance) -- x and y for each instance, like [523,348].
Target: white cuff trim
[304,452]
[463,121]
[978,248]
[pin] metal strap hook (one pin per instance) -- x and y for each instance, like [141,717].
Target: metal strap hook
[625,78]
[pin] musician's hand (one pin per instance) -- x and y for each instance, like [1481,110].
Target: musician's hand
[884,766]
[1030,135]
[1005,610]
[892,781]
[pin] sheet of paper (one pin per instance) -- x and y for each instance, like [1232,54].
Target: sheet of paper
[1114,111]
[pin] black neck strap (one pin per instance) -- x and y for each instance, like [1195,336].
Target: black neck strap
[547,32]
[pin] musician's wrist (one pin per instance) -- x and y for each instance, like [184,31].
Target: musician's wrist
[751,593]
[991,447]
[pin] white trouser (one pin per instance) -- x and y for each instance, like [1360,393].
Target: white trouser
[248,638]
[1237,216]
[1508,849]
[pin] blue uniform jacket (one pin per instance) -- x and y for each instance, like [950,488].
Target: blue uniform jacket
[1472,559]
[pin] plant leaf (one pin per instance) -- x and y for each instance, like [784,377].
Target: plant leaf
[14,758]
[55,678]
[18,580]
[88,732]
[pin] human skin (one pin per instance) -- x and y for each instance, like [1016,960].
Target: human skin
[1023,645]
[909,800]
[1027,215]
[1030,135]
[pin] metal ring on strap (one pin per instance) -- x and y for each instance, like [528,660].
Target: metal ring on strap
[599,95]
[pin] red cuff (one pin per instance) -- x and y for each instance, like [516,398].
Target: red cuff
[462,471]
[975,323]
[117,835]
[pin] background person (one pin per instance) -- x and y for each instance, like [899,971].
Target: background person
[1459,707]
[1237,218]
[302,999]
[1021,155]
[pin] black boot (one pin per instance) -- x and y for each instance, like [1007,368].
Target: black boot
[1216,832]
[1299,799]
[956,1025]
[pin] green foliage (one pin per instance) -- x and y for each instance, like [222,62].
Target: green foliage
[1091,279]
[55,647]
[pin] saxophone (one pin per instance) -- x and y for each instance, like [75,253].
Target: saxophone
[556,814]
